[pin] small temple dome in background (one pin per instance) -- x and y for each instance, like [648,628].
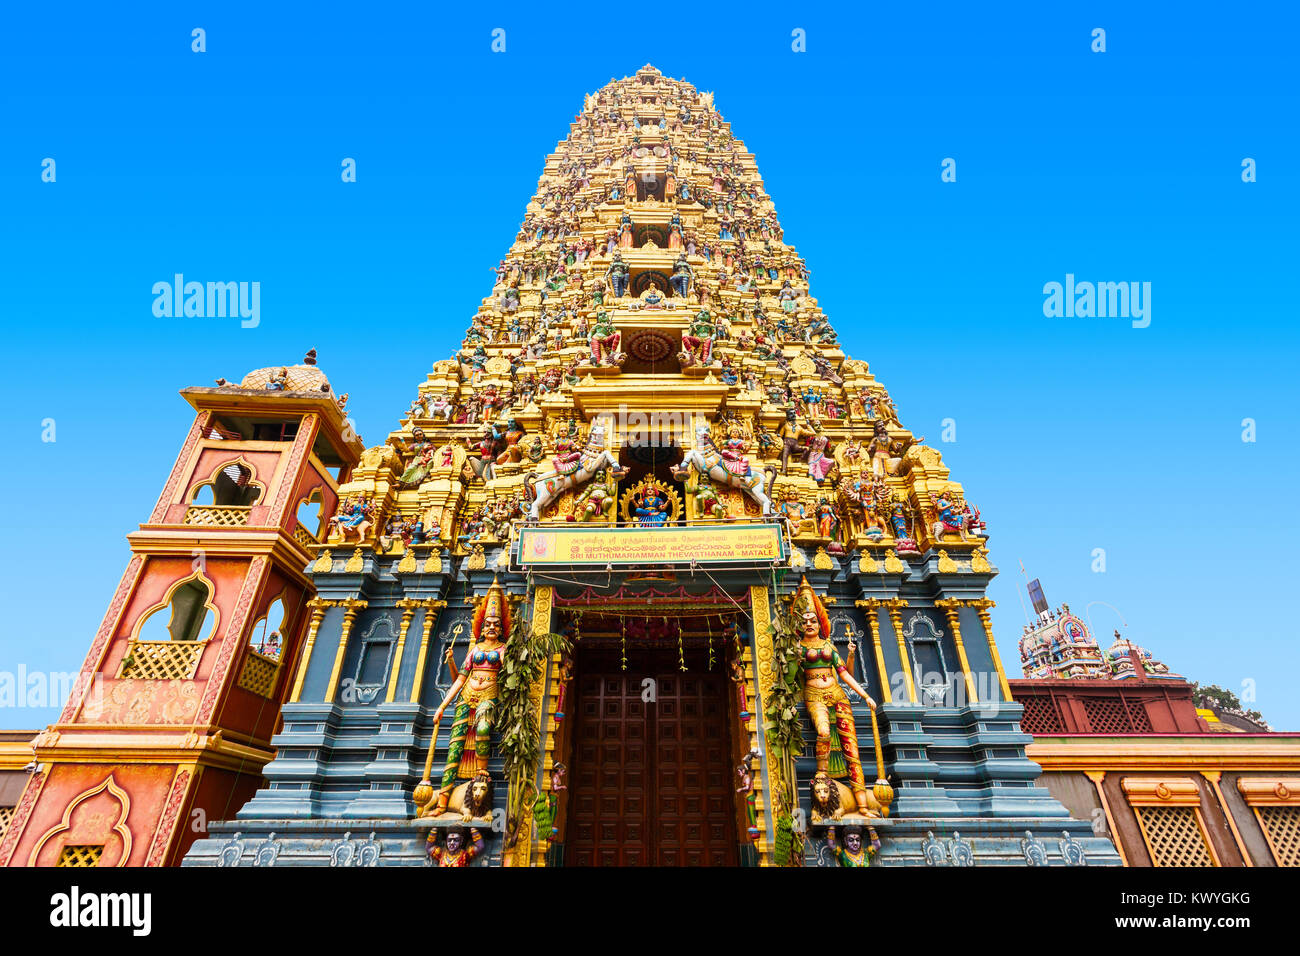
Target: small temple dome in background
[304,377]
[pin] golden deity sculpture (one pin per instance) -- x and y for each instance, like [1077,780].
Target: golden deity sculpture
[828,704]
[474,692]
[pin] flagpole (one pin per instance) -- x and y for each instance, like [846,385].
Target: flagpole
[1023,610]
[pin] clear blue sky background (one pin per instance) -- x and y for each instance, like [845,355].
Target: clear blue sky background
[1073,434]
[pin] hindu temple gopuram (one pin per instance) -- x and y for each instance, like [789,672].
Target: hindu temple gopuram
[649,572]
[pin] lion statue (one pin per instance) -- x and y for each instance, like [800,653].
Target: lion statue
[472,800]
[476,800]
[831,800]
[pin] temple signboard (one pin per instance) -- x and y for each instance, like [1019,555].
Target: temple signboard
[703,544]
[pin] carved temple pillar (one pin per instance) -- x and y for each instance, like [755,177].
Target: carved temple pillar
[317,606]
[774,772]
[950,608]
[872,607]
[422,658]
[351,608]
[895,608]
[408,607]
[982,607]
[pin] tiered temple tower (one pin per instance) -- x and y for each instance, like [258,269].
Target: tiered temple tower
[1060,646]
[604,594]
[170,722]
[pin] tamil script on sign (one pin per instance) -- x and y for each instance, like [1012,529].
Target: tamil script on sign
[704,544]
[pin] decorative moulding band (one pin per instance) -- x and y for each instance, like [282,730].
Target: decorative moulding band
[1162,791]
[1270,791]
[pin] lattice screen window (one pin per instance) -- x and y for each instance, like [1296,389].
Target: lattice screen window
[80,855]
[258,674]
[1276,802]
[1281,825]
[1174,836]
[229,516]
[6,817]
[1169,811]
[1040,716]
[1141,723]
[161,660]
[1107,715]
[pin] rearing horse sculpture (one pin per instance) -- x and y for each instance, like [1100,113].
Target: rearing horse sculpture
[545,488]
[707,460]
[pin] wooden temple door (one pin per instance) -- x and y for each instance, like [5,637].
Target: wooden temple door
[651,779]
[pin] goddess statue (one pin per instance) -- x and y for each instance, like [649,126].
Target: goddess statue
[828,522]
[568,456]
[474,692]
[827,703]
[733,451]
[819,460]
[650,507]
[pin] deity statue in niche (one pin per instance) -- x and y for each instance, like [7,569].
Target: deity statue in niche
[617,274]
[697,341]
[603,342]
[651,507]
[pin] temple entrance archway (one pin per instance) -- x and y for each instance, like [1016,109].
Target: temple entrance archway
[651,764]
[652,752]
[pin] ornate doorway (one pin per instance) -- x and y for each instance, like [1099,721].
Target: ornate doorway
[651,781]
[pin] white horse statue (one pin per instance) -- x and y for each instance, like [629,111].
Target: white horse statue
[545,488]
[707,460]
[441,407]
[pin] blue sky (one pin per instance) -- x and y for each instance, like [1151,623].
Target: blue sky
[1072,434]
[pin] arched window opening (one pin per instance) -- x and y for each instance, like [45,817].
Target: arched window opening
[310,514]
[650,187]
[650,233]
[267,635]
[651,280]
[651,352]
[186,617]
[232,486]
